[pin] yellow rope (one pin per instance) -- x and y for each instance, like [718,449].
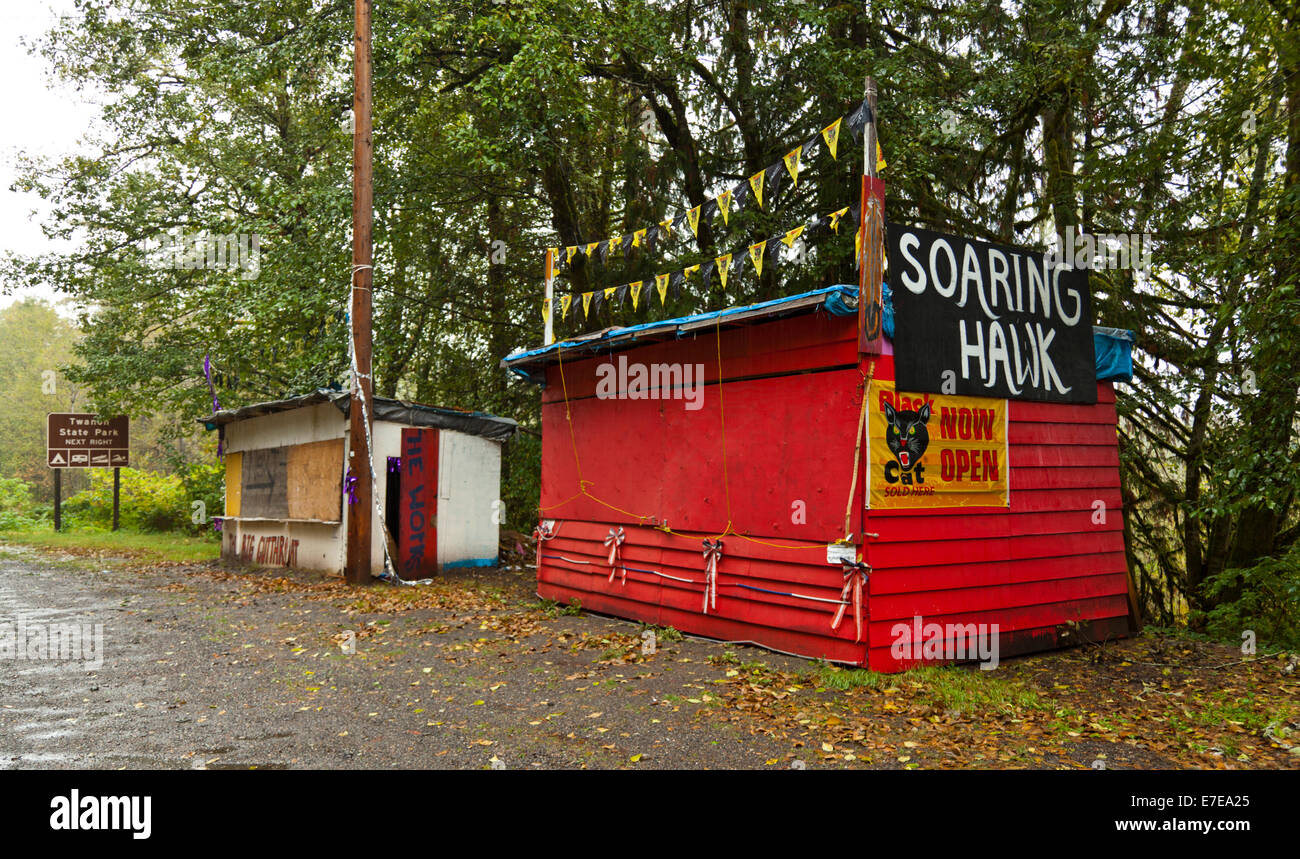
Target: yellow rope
[857,451]
[722,420]
[568,415]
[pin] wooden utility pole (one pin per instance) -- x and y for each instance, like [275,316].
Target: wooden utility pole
[360,514]
[870,309]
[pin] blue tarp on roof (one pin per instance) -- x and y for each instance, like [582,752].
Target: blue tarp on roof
[595,343]
[1113,346]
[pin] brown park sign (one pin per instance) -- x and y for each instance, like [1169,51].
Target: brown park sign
[87,441]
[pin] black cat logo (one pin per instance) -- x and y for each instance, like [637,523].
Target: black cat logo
[906,434]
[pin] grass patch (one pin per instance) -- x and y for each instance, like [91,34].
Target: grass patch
[663,633]
[552,609]
[166,546]
[844,679]
[1246,710]
[971,692]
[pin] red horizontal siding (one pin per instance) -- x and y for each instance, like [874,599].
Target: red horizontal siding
[1055,556]
[789,439]
[796,345]
[1042,621]
[921,578]
[774,620]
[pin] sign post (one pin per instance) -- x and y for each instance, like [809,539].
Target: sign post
[75,440]
[117,491]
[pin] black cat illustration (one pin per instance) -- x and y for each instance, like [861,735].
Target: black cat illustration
[906,434]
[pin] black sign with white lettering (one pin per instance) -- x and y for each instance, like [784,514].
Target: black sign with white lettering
[984,320]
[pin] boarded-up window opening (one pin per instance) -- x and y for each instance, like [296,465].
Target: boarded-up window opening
[315,480]
[304,482]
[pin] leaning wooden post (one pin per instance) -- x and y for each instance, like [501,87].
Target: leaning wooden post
[870,310]
[548,305]
[357,570]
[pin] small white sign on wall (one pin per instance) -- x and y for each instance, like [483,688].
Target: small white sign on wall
[838,553]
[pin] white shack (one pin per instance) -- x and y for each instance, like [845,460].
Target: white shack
[437,474]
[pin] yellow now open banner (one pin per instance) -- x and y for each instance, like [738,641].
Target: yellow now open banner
[935,450]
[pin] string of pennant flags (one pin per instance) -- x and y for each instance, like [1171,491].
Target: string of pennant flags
[762,185]
[725,265]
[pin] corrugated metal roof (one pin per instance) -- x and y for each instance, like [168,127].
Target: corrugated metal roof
[394,411]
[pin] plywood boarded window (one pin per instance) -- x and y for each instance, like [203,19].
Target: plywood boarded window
[316,480]
[265,483]
[304,481]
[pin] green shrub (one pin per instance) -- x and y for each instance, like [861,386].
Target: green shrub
[149,501]
[18,509]
[15,496]
[206,483]
[521,468]
[1264,598]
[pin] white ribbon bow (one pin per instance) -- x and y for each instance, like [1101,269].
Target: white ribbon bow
[712,554]
[856,574]
[614,540]
[544,531]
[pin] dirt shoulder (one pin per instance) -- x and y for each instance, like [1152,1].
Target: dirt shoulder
[212,667]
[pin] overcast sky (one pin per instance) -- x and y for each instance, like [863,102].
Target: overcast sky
[43,120]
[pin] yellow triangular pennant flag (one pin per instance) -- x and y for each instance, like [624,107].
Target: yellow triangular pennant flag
[835,219]
[546,308]
[586,304]
[615,243]
[724,203]
[724,263]
[667,227]
[756,254]
[635,289]
[756,183]
[690,270]
[566,301]
[569,252]
[638,238]
[609,292]
[591,249]
[831,134]
[880,157]
[791,236]
[693,218]
[661,284]
[792,164]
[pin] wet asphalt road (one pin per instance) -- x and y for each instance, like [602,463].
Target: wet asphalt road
[207,670]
